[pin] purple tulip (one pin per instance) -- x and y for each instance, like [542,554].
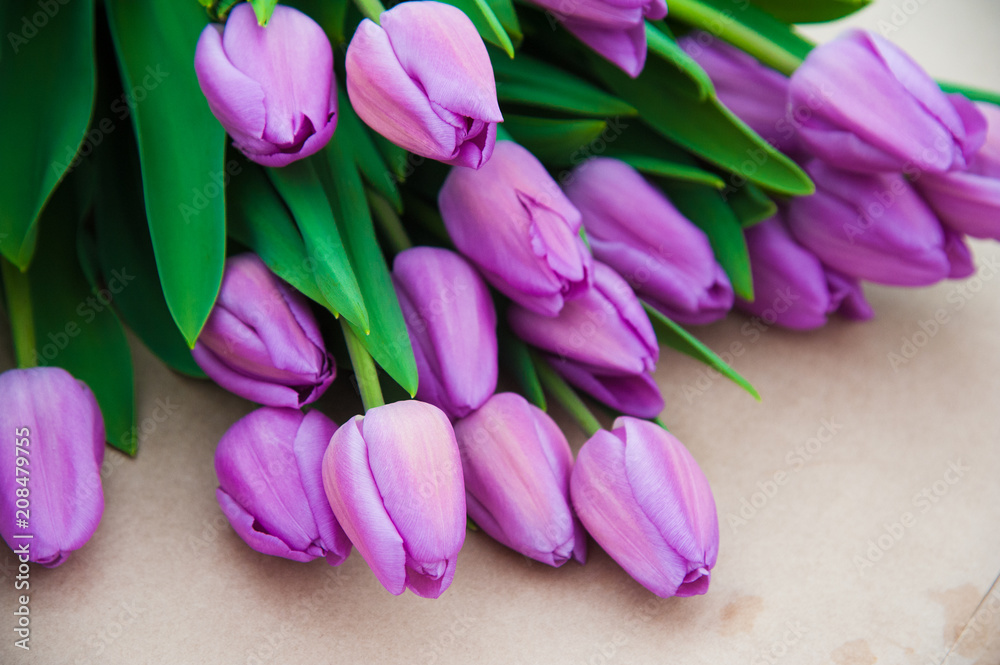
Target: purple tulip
[423,80]
[514,223]
[270,473]
[615,29]
[51,499]
[602,342]
[874,109]
[875,227]
[261,340]
[969,201]
[452,322]
[272,88]
[755,93]
[643,498]
[792,288]
[394,480]
[634,229]
[516,463]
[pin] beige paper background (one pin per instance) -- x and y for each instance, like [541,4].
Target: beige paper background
[165,580]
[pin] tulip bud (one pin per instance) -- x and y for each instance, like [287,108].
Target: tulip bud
[602,342]
[394,480]
[615,29]
[791,287]
[451,319]
[514,223]
[755,93]
[261,340]
[969,201]
[516,463]
[874,109]
[51,498]
[269,466]
[423,80]
[643,498]
[273,87]
[634,229]
[875,227]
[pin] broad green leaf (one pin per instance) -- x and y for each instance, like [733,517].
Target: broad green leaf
[258,218]
[810,11]
[673,170]
[667,49]
[555,142]
[75,325]
[486,22]
[330,14]
[674,336]
[304,195]
[531,82]
[263,9]
[515,357]
[366,154]
[747,27]
[704,127]
[750,204]
[181,149]
[710,213]
[504,10]
[387,340]
[975,94]
[401,163]
[47,84]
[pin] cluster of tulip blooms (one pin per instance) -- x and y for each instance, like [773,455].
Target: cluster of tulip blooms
[902,172]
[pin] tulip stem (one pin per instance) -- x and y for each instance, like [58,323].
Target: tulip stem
[566,396]
[364,368]
[22,320]
[722,24]
[389,222]
[370,8]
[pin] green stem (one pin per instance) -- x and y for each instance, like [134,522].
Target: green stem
[364,368]
[722,24]
[22,320]
[389,222]
[370,8]
[566,396]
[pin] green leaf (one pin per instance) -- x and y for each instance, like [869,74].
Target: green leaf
[704,127]
[554,142]
[810,11]
[366,154]
[516,358]
[667,49]
[263,9]
[388,341]
[75,326]
[504,10]
[303,193]
[748,28]
[258,218]
[673,170]
[486,22]
[750,204]
[710,213]
[180,149]
[525,80]
[47,84]
[671,334]
[975,94]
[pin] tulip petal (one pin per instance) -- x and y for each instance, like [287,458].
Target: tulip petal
[355,500]
[634,394]
[254,534]
[311,442]
[623,47]
[608,509]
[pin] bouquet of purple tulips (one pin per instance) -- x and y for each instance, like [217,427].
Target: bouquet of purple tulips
[442,198]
